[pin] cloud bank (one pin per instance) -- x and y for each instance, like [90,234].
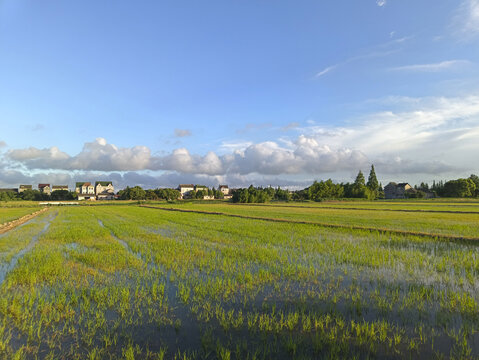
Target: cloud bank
[431,136]
[306,156]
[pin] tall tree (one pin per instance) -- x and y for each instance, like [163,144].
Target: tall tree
[373,183]
[360,180]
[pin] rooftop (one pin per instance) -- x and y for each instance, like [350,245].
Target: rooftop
[103,183]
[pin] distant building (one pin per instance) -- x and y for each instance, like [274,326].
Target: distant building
[59,187]
[104,190]
[201,187]
[85,191]
[224,189]
[22,188]
[428,194]
[398,191]
[45,189]
[185,189]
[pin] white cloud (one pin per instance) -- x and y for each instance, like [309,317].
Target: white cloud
[381,2]
[96,155]
[433,67]
[326,70]
[424,130]
[469,16]
[413,136]
[2,144]
[378,51]
[231,146]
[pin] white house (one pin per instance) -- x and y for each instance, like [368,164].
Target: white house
[184,189]
[224,189]
[22,188]
[44,188]
[85,191]
[59,187]
[104,190]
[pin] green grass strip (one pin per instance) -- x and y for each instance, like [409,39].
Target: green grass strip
[466,239]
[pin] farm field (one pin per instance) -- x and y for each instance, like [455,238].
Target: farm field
[130,282]
[439,222]
[9,214]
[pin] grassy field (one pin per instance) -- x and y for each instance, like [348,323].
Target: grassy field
[127,282]
[440,222]
[10,213]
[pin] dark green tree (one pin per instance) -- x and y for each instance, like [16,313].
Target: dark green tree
[360,181]
[475,180]
[359,188]
[373,183]
[459,188]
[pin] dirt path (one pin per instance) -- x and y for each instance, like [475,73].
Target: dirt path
[14,223]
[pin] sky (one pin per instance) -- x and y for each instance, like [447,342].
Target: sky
[280,93]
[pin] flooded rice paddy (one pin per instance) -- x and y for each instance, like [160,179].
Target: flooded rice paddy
[125,282]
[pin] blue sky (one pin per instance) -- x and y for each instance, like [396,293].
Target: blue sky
[263,92]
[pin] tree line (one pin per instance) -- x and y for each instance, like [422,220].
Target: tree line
[318,191]
[37,195]
[361,189]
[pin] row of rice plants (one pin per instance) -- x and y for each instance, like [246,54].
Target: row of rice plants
[143,283]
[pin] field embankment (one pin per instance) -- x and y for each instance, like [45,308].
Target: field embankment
[11,218]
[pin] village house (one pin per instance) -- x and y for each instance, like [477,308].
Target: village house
[428,194]
[22,188]
[224,189]
[398,191]
[185,189]
[104,190]
[44,189]
[59,187]
[85,191]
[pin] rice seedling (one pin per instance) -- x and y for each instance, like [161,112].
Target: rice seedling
[111,282]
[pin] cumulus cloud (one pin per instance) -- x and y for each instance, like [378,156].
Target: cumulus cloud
[307,157]
[96,155]
[2,144]
[39,158]
[413,136]
[182,133]
[303,156]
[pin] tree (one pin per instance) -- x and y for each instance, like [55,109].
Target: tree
[62,195]
[134,193]
[151,195]
[8,196]
[373,183]
[475,180]
[460,188]
[360,181]
[359,188]
[325,190]
[200,194]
